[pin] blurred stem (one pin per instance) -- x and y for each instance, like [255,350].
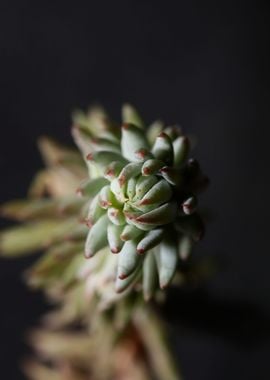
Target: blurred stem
[155,340]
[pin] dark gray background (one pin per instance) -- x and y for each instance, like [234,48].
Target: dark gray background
[201,63]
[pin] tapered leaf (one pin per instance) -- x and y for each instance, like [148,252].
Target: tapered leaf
[172,175]
[133,139]
[113,170]
[104,158]
[185,247]
[123,284]
[167,258]
[113,235]
[97,237]
[161,192]
[130,232]
[118,190]
[181,148]
[143,155]
[130,115]
[189,205]
[150,240]
[116,216]
[143,185]
[152,166]
[173,131]
[154,130]
[95,211]
[128,259]
[163,149]
[131,188]
[105,144]
[105,197]
[162,215]
[129,171]
[150,276]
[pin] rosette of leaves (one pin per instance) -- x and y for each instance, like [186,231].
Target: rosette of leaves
[143,190]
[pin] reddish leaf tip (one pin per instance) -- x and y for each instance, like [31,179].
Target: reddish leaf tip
[146,171]
[79,192]
[88,255]
[165,169]
[162,135]
[122,180]
[89,157]
[88,222]
[144,202]
[141,153]
[122,276]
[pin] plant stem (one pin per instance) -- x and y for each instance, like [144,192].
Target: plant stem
[155,340]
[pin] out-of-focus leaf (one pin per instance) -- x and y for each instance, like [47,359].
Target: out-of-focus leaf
[131,115]
[53,153]
[21,240]
[40,208]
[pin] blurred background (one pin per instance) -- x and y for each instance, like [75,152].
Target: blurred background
[202,64]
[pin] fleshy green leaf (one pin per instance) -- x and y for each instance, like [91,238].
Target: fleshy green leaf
[131,188]
[173,131]
[97,237]
[143,185]
[128,259]
[167,261]
[163,149]
[154,130]
[161,192]
[116,216]
[123,284]
[181,150]
[113,170]
[105,144]
[130,115]
[104,158]
[150,240]
[151,166]
[130,233]
[150,276]
[172,175]
[95,211]
[113,235]
[185,247]
[159,216]
[129,171]
[189,205]
[132,140]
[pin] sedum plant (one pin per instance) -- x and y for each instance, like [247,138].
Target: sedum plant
[117,220]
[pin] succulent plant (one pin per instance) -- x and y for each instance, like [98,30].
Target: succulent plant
[129,204]
[143,197]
